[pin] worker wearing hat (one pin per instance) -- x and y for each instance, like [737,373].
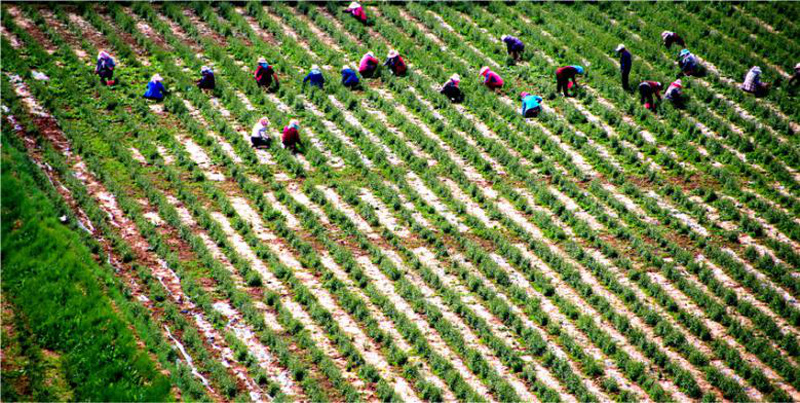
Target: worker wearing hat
[625,63]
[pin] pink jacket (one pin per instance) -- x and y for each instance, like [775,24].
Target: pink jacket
[493,80]
[365,61]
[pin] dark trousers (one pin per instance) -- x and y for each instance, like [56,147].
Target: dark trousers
[369,72]
[260,142]
[645,94]
[533,112]
[562,83]
[106,75]
[625,75]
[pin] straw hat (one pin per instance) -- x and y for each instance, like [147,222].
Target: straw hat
[392,53]
[455,77]
[102,54]
[484,70]
[294,123]
[156,77]
[678,83]
[502,38]
[345,67]
[619,47]
[370,54]
[262,60]
[205,69]
[354,5]
[264,121]
[665,34]
[314,67]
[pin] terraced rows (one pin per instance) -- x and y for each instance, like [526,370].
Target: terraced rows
[418,250]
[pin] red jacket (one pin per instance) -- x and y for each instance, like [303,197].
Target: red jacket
[566,73]
[359,14]
[263,75]
[653,87]
[290,136]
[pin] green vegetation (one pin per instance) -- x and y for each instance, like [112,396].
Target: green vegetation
[600,251]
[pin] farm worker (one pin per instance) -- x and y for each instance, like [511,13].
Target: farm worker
[564,75]
[753,84]
[491,79]
[624,65]
[675,93]
[688,63]
[451,91]
[105,68]
[349,77]
[796,76]
[396,63]
[315,77]
[670,38]
[291,137]
[155,89]
[264,74]
[368,65]
[531,105]
[514,46]
[646,91]
[357,11]
[207,81]
[260,137]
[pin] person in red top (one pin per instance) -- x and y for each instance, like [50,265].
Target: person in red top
[647,89]
[368,65]
[491,79]
[264,74]
[357,11]
[395,63]
[291,137]
[564,75]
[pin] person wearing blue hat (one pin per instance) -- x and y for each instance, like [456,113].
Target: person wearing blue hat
[688,63]
[564,75]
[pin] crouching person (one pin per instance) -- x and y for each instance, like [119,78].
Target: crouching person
[451,91]
[395,63]
[491,79]
[105,68]
[350,78]
[753,84]
[265,75]
[290,139]
[649,93]
[675,94]
[531,105]
[155,89]
[207,81]
[368,65]
[259,138]
[315,77]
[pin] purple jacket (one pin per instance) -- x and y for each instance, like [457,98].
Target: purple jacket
[513,44]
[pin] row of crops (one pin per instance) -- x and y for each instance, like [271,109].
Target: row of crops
[414,249]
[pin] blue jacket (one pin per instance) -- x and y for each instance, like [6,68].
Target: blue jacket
[349,78]
[530,102]
[316,78]
[625,60]
[155,90]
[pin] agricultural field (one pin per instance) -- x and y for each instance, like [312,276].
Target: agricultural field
[413,249]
